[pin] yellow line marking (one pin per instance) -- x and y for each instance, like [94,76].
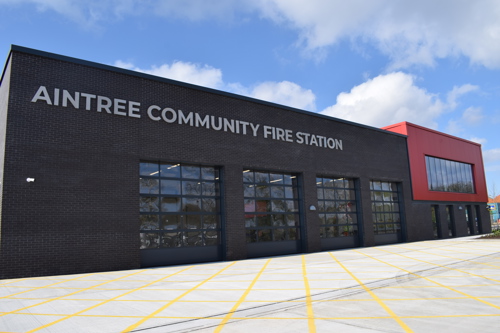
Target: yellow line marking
[106,301]
[372,294]
[53,284]
[429,280]
[242,298]
[310,313]
[56,298]
[274,318]
[442,255]
[131,327]
[8,282]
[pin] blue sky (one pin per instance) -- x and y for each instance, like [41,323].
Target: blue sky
[377,62]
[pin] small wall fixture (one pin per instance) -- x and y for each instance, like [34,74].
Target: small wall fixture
[460,207]
[30,180]
[312,207]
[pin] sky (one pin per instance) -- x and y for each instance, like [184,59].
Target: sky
[375,62]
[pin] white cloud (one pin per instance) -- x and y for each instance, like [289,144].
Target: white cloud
[409,32]
[388,99]
[202,75]
[473,115]
[456,92]
[481,141]
[196,10]
[88,14]
[454,127]
[491,155]
[284,92]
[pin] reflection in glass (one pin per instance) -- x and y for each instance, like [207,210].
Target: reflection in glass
[148,186]
[169,204]
[171,222]
[251,235]
[209,173]
[248,190]
[170,186]
[279,234]
[339,204]
[265,235]
[250,205]
[209,205]
[385,208]
[197,199]
[262,205]
[280,205]
[191,172]
[191,188]
[270,195]
[210,222]
[149,240]
[263,220]
[262,191]
[170,170]
[148,169]
[277,192]
[209,189]
[172,239]
[149,222]
[261,177]
[211,237]
[191,204]
[193,222]
[148,204]
[248,176]
[449,176]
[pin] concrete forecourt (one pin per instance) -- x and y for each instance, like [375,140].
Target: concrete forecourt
[450,285]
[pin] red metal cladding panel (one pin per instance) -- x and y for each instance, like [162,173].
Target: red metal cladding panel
[426,142]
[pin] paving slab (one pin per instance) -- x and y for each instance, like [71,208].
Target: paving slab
[441,286]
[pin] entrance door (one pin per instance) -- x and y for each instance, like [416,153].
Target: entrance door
[479,225]
[436,224]
[468,218]
[451,221]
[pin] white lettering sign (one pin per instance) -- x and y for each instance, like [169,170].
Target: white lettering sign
[132,109]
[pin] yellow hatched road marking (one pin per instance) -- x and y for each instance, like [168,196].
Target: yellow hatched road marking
[106,301]
[278,318]
[310,313]
[442,255]
[53,284]
[131,327]
[242,298]
[12,281]
[372,294]
[429,280]
[449,268]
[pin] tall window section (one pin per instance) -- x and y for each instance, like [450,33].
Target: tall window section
[271,206]
[179,205]
[449,176]
[337,207]
[385,207]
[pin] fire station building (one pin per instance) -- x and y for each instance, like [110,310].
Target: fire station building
[104,169]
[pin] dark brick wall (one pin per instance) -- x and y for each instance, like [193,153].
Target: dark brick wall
[422,229]
[81,213]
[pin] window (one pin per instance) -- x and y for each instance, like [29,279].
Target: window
[337,207]
[178,205]
[449,176]
[385,207]
[271,206]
